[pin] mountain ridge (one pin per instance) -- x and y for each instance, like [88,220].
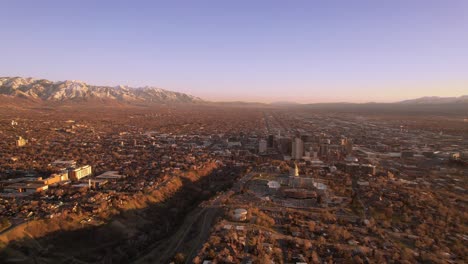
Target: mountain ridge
[42,90]
[436,100]
[72,90]
[420,100]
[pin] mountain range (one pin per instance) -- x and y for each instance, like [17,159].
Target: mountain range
[45,90]
[437,100]
[41,90]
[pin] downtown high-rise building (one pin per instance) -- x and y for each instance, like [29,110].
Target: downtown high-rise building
[297,148]
[262,146]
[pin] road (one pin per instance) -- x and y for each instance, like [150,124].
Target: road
[14,223]
[199,221]
[273,125]
[208,221]
[203,235]
[162,251]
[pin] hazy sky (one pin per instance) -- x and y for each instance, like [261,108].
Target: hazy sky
[306,51]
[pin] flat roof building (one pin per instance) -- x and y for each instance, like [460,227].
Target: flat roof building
[25,187]
[80,172]
[111,175]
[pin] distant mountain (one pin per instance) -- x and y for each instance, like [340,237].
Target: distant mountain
[436,100]
[45,90]
[284,103]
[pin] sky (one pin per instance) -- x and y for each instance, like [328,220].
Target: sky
[246,50]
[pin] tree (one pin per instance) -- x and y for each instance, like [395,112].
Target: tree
[197,260]
[389,212]
[179,258]
[315,257]
[311,225]
[322,240]
[358,260]
[4,223]
[263,258]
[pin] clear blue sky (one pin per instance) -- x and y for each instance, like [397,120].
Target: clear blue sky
[306,51]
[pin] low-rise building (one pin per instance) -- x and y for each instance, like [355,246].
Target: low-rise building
[26,187]
[111,175]
[20,141]
[80,172]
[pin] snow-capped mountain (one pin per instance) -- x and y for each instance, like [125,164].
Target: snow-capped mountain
[46,90]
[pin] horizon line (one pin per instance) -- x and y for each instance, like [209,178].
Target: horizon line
[267,102]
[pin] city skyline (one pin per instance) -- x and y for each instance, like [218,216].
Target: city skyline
[213,131]
[263,51]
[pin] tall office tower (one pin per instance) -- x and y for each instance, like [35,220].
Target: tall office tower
[324,149]
[262,146]
[347,145]
[270,141]
[297,148]
[284,145]
[293,149]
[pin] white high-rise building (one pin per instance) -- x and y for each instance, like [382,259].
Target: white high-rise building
[262,146]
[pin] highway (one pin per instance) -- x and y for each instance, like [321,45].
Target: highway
[199,221]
